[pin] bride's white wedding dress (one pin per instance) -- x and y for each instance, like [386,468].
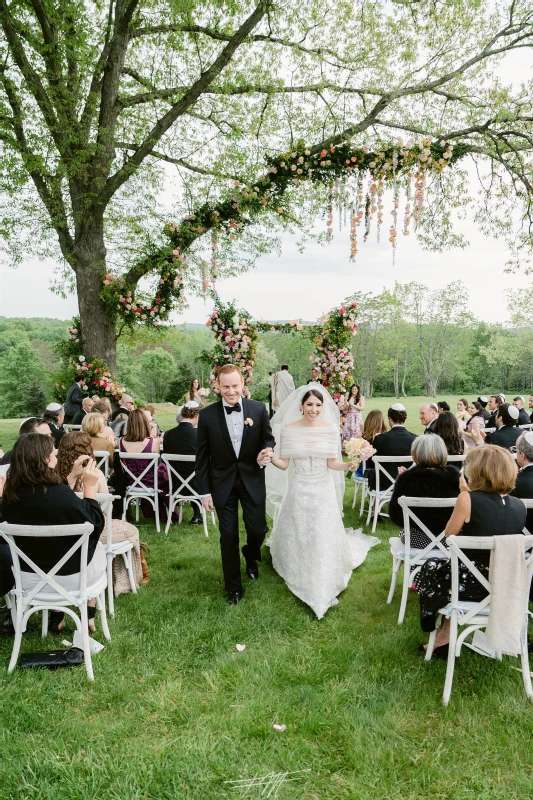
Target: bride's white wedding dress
[310,547]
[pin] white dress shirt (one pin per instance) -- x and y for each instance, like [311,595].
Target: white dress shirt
[235,423]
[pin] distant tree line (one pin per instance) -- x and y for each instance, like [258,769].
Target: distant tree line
[411,341]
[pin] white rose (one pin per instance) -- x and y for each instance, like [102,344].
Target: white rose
[81,358]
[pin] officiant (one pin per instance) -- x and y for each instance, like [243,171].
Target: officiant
[281,386]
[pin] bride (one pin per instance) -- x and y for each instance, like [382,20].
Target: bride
[310,548]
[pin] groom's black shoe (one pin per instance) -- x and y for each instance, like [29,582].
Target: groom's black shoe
[251,565]
[234,598]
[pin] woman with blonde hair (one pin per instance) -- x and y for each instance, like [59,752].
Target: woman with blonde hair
[93,424]
[138,439]
[72,446]
[483,508]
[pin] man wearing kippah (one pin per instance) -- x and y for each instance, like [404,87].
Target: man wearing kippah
[523,416]
[524,480]
[396,442]
[506,423]
[428,414]
[482,400]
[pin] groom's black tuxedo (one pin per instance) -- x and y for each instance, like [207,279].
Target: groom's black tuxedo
[229,478]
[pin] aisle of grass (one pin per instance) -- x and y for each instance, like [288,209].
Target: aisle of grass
[175,711]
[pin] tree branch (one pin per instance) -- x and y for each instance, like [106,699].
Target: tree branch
[177,110]
[180,162]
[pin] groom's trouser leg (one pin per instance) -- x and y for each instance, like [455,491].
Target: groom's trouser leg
[254,522]
[228,523]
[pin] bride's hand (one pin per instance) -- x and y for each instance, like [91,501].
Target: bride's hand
[265,457]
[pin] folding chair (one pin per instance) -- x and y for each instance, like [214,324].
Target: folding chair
[114,549]
[379,497]
[472,615]
[526,427]
[413,558]
[69,427]
[49,594]
[360,482]
[456,460]
[102,461]
[137,490]
[177,496]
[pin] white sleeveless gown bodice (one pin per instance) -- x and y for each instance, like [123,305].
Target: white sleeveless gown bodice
[310,548]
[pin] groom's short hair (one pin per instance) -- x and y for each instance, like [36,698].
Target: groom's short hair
[228,368]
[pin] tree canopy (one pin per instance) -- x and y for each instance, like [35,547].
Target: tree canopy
[103,105]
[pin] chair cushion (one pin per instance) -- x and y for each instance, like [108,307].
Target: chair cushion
[397,548]
[54,597]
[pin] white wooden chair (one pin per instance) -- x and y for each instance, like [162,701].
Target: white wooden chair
[69,427]
[380,496]
[137,490]
[102,461]
[361,482]
[527,427]
[183,493]
[471,615]
[413,558]
[456,460]
[114,549]
[49,594]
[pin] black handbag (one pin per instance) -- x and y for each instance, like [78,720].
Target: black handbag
[53,659]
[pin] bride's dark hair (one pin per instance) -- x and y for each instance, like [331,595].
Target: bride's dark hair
[312,393]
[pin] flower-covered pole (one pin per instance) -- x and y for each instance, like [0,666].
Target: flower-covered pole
[333,358]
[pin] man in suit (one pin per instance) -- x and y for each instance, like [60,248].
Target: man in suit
[86,407]
[495,401]
[234,445]
[29,425]
[531,407]
[524,480]
[74,398]
[506,432]
[181,441]
[428,414]
[396,442]
[126,405]
[315,376]
[523,416]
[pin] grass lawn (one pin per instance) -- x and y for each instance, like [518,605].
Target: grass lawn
[175,711]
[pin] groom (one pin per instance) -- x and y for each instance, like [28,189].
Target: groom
[231,453]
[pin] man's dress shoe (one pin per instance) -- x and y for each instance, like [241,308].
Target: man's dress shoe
[234,598]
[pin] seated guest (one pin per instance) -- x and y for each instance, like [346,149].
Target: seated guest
[462,415]
[30,425]
[476,421]
[72,448]
[35,494]
[103,407]
[93,424]
[483,508]
[315,376]
[153,425]
[95,398]
[483,403]
[524,480]
[428,414]
[431,476]
[396,442]
[139,439]
[506,421]
[86,407]
[54,415]
[447,427]
[531,407]
[74,398]
[126,405]
[495,401]
[523,416]
[181,441]
[374,425]
[442,405]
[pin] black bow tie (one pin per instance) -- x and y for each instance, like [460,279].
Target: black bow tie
[231,409]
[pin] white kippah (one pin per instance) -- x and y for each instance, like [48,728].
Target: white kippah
[483,399]
[25,420]
[434,406]
[502,396]
[522,399]
[54,407]
[513,412]
[529,437]
[192,404]
[398,407]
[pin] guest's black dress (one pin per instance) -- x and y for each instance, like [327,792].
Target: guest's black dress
[491,515]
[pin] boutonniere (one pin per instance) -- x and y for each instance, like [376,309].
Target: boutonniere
[249,422]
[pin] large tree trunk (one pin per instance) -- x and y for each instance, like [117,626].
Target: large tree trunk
[99,333]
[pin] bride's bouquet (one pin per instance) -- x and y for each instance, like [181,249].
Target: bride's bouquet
[358,450]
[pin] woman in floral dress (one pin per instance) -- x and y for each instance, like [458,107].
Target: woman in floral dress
[353,424]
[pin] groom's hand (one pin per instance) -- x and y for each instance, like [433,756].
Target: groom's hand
[265,457]
[207,503]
